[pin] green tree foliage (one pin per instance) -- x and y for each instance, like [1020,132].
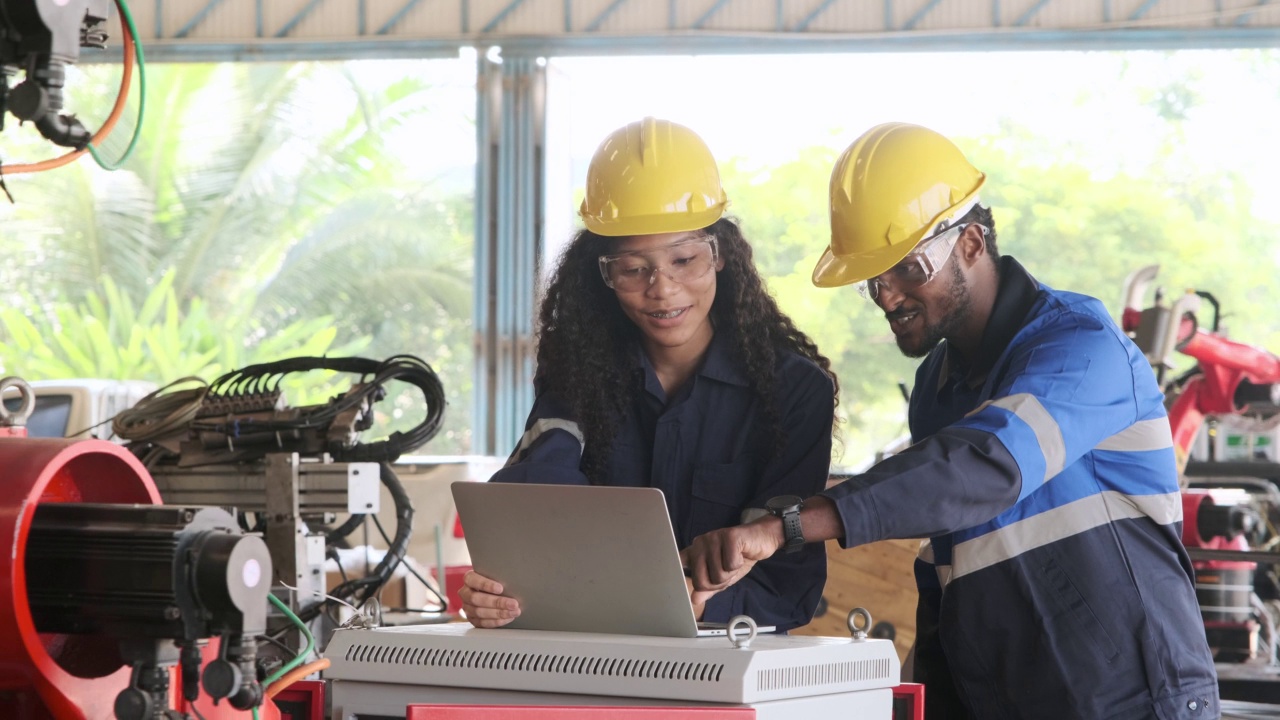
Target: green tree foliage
[104,336]
[267,213]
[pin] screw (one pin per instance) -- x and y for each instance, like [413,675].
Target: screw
[172,613]
[368,505]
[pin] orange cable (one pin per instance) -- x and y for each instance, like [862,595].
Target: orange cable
[122,99]
[295,675]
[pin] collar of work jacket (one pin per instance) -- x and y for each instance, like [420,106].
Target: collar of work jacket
[1014,299]
[718,364]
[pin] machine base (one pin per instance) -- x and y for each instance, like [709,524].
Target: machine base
[354,700]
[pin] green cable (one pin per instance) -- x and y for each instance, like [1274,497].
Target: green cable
[311,644]
[142,94]
[302,656]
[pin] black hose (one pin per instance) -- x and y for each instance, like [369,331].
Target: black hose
[340,533]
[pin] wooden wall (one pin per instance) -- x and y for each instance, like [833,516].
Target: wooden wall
[877,577]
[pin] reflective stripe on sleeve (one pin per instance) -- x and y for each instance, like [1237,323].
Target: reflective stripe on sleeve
[1048,434]
[1153,434]
[539,427]
[925,555]
[1061,523]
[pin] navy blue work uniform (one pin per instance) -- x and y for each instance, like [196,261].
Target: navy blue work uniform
[1055,584]
[713,453]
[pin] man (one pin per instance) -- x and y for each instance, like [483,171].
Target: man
[1054,584]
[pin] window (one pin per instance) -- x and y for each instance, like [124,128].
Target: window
[271,210]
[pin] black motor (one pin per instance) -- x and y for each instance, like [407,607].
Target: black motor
[159,579]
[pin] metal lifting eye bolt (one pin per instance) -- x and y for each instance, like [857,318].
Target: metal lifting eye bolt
[859,633]
[17,418]
[747,625]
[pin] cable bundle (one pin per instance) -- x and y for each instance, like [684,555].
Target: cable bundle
[164,412]
[256,388]
[245,404]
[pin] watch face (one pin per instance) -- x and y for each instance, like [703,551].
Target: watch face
[782,502]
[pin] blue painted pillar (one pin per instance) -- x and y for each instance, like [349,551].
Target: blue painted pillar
[510,137]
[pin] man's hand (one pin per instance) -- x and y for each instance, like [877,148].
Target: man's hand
[697,598]
[721,558]
[483,603]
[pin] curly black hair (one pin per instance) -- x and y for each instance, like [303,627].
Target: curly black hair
[587,345]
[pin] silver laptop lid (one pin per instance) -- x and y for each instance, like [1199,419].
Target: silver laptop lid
[579,558]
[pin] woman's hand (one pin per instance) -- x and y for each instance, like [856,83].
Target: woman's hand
[483,603]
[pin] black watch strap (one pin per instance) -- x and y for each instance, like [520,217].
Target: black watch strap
[787,509]
[792,533]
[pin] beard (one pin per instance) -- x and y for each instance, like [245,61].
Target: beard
[958,304]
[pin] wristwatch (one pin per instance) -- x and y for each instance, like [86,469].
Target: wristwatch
[788,507]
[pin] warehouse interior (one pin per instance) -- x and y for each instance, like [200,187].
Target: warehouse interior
[281,283]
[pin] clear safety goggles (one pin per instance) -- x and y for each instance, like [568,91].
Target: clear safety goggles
[918,267]
[683,262]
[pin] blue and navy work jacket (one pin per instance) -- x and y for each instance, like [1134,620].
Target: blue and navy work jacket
[713,453]
[1055,584]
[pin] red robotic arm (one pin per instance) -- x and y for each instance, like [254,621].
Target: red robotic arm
[1229,375]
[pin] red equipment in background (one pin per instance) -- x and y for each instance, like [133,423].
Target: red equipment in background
[1229,377]
[55,675]
[1227,508]
[97,580]
[1224,588]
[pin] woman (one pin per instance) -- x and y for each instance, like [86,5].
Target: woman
[664,362]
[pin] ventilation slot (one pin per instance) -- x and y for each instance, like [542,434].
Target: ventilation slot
[826,674]
[578,665]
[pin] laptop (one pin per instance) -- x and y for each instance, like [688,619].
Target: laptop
[581,558]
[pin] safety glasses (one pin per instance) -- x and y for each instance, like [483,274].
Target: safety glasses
[919,267]
[683,262]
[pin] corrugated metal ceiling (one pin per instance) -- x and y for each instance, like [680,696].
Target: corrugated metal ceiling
[195,29]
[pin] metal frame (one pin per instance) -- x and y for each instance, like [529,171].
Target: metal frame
[564,26]
[286,492]
[510,137]
[285,30]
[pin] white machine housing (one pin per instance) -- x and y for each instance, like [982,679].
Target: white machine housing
[375,672]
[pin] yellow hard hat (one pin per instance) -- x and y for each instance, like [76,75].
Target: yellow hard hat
[652,176]
[889,190]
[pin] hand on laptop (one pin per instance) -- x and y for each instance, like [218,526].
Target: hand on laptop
[720,558]
[697,598]
[483,603]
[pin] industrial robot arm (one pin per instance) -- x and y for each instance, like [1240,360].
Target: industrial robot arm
[41,38]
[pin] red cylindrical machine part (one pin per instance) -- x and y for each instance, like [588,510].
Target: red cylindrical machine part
[34,471]
[1191,502]
[1223,587]
[1258,364]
